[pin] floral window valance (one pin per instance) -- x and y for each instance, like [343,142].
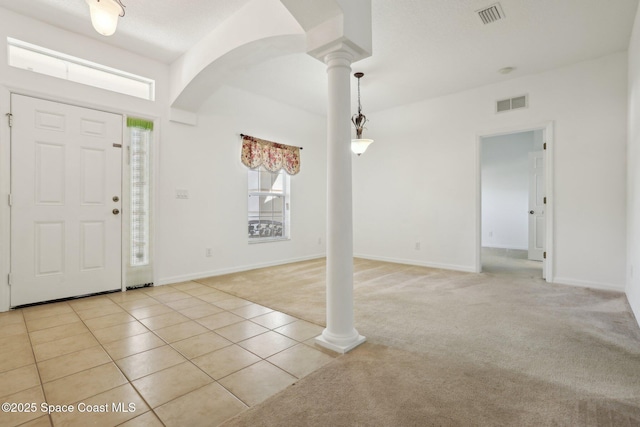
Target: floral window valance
[271,155]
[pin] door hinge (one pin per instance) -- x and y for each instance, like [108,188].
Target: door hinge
[544,200]
[9,279]
[544,146]
[10,200]
[10,119]
[544,255]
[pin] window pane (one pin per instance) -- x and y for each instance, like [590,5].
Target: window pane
[265,180]
[57,64]
[279,231]
[254,206]
[278,183]
[254,227]
[32,61]
[254,180]
[276,204]
[140,192]
[266,204]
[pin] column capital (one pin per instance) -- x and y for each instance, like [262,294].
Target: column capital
[338,59]
[345,24]
[341,54]
[338,50]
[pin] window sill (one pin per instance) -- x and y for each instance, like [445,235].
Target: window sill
[269,240]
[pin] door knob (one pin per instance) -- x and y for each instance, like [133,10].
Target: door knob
[116,198]
[531,212]
[116,211]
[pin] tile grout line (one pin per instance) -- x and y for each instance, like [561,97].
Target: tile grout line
[184,356]
[35,362]
[232,343]
[151,408]
[129,311]
[112,361]
[186,360]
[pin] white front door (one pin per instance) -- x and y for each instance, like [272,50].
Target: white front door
[66,178]
[536,206]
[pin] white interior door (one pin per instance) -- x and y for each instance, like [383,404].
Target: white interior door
[65,200]
[536,206]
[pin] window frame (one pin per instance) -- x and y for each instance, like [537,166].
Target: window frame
[137,274]
[84,72]
[140,196]
[259,192]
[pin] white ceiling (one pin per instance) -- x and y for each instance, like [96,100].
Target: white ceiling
[422,48]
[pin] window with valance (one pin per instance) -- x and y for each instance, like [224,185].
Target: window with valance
[270,165]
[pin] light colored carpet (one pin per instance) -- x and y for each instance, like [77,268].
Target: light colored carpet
[449,348]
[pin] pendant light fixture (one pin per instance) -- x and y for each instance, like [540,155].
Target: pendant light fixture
[104,15]
[359,145]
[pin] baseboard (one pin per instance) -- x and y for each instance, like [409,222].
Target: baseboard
[636,312]
[505,247]
[466,269]
[635,306]
[588,284]
[223,271]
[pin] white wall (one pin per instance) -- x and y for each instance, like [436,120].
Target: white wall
[206,161]
[505,190]
[633,183]
[418,181]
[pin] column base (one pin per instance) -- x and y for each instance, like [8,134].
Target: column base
[340,348]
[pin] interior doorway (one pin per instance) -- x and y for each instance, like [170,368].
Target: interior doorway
[513,213]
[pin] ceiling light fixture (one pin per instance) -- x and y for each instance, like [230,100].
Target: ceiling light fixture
[104,15]
[359,145]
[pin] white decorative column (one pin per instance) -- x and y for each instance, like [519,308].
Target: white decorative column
[340,334]
[338,33]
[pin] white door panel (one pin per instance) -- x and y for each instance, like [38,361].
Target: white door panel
[49,248]
[65,171]
[92,245]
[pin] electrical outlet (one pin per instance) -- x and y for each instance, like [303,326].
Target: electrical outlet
[319,240]
[491,234]
[417,246]
[208,252]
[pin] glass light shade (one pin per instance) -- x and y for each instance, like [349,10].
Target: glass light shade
[359,146]
[104,15]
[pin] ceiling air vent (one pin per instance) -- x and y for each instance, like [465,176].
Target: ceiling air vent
[491,14]
[512,103]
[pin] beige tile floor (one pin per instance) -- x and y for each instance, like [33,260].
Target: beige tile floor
[177,355]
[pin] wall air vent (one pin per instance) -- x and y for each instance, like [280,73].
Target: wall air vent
[512,103]
[491,14]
